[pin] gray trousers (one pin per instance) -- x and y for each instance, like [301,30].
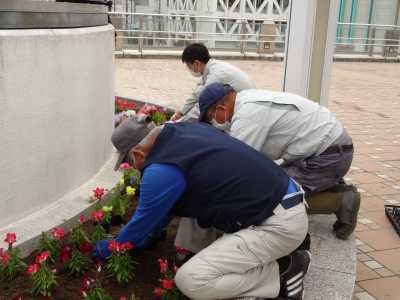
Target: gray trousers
[243,264]
[321,172]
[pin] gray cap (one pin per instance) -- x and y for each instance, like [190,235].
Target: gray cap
[128,134]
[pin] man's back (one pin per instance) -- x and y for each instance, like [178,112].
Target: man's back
[229,184]
[217,71]
[283,125]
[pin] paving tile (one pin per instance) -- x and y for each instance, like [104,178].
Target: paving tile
[378,217]
[365,273]
[365,221]
[384,272]
[372,203]
[364,296]
[387,288]
[363,257]
[389,258]
[378,188]
[366,178]
[357,288]
[373,264]
[361,227]
[365,248]
[379,239]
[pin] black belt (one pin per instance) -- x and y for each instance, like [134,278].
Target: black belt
[338,149]
[292,201]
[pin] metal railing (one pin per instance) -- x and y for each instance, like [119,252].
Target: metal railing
[154,31]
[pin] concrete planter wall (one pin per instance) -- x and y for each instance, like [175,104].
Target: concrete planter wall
[56,109]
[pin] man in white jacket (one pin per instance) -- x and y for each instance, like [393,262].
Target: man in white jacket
[200,64]
[313,146]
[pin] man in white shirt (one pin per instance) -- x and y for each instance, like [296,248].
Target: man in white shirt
[200,64]
[312,145]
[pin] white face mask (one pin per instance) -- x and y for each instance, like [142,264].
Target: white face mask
[226,126]
[195,74]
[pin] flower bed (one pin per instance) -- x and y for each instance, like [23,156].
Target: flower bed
[62,266]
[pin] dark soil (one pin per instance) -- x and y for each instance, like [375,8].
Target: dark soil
[147,274]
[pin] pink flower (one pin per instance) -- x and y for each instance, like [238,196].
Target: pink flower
[11,238]
[159,292]
[168,284]
[163,265]
[32,269]
[65,254]
[98,193]
[113,245]
[82,219]
[58,233]
[42,257]
[86,247]
[97,215]
[125,166]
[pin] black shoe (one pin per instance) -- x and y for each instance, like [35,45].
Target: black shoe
[292,279]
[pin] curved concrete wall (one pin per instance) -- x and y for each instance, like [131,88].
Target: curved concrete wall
[56,108]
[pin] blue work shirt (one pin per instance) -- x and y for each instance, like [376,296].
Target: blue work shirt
[161,186]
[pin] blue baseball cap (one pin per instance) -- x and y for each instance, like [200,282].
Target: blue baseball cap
[210,95]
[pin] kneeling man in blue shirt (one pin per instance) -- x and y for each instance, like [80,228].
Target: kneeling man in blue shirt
[195,171]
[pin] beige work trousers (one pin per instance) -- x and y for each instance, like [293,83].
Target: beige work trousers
[243,264]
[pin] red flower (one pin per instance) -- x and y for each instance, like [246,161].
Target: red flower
[42,257]
[82,219]
[123,105]
[113,245]
[168,284]
[4,257]
[11,238]
[148,109]
[163,265]
[86,282]
[126,246]
[65,254]
[58,233]
[86,247]
[98,215]
[98,193]
[32,269]
[159,292]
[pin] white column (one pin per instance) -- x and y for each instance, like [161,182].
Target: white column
[205,8]
[310,44]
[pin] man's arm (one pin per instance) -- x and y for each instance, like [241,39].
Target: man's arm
[194,98]
[161,186]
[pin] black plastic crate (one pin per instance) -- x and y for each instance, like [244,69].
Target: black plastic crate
[393,213]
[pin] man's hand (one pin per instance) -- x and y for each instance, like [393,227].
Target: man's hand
[176,116]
